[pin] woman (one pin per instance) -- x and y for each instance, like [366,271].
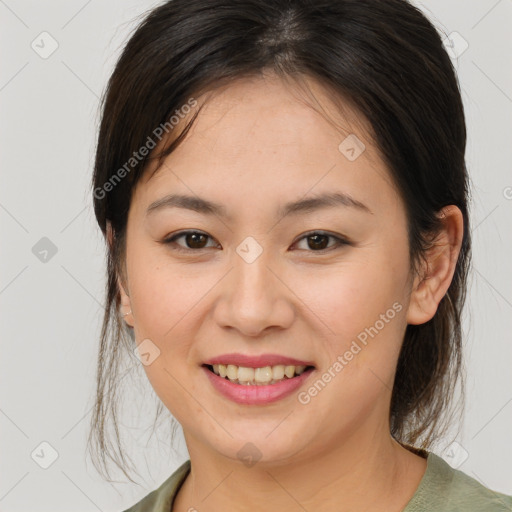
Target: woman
[283,191]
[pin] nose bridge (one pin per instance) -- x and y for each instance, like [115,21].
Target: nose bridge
[251,273]
[252,279]
[254,299]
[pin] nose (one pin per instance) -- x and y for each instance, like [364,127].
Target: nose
[254,298]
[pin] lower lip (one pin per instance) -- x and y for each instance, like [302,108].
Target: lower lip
[254,394]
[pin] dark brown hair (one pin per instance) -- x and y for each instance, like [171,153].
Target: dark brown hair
[382,56]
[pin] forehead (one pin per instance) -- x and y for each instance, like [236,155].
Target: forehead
[264,136]
[270,108]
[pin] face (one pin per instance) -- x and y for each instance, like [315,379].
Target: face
[257,284]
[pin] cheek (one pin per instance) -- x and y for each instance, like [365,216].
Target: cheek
[359,311]
[163,305]
[353,297]
[359,307]
[161,296]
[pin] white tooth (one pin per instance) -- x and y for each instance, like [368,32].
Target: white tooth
[278,372]
[299,369]
[263,374]
[232,372]
[289,371]
[245,374]
[257,376]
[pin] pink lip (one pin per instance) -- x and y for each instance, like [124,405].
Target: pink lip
[256,361]
[256,395]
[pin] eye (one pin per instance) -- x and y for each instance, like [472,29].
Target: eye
[319,241]
[194,240]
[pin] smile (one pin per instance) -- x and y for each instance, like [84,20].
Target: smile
[245,389]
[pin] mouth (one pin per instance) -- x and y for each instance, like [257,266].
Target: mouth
[260,379]
[260,376]
[257,386]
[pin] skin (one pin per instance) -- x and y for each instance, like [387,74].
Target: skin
[256,145]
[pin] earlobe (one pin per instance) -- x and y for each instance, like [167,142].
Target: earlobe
[439,266]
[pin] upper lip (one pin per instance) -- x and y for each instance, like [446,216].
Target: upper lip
[258,361]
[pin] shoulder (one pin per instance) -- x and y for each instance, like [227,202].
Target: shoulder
[445,489]
[161,499]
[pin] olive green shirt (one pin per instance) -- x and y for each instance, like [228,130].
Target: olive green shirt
[442,489]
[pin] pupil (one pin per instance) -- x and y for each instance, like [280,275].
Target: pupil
[192,240]
[317,241]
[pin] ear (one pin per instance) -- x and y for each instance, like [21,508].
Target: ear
[437,271]
[126,309]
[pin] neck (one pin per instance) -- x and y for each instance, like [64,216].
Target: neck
[365,471]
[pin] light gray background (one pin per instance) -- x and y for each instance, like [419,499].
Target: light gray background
[51,311]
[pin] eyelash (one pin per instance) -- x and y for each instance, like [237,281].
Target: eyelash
[340,241]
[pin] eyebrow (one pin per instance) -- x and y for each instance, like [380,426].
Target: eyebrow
[299,207]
